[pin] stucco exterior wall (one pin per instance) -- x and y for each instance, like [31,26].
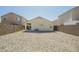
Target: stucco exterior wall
[8,18]
[70,17]
[41,25]
[57,22]
[75,14]
[23,21]
[70,21]
[12,18]
[65,18]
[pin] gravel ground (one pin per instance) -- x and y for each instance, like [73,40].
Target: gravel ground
[39,42]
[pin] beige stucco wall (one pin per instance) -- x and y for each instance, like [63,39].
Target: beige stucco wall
[12,18]
[75,14]
[23,21]
[41,24]
[57,22]
[66,17]
[70,17]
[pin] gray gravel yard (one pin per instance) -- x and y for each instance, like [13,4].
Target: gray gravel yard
[39,42]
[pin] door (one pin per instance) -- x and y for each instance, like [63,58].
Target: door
[28,26]
[55,28]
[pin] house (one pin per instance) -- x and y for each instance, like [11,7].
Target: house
[56,23]
[69,21]
[13,18]
[70,17]
[39,24]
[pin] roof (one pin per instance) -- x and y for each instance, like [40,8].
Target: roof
[39,17]
[13,13]
[9,13]
[68,11]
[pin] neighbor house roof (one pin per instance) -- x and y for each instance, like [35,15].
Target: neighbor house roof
[68,11]
[14,14]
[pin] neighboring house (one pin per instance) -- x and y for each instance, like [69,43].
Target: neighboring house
[0,19]
[57,22]
[13,18]
[39,24]
[68,22]
[70,17]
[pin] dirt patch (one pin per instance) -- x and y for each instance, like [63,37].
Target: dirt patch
[39,42]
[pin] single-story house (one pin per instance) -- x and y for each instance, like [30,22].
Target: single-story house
[39,24]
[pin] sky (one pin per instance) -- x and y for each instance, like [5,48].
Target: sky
[49,12]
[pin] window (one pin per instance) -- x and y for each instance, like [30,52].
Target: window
[50,26]
[28,23]
[29,27]
[18,18]
[55,28]
[4,18]
[77,23]
[41,24]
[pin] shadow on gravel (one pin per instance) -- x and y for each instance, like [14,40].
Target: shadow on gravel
[39,31]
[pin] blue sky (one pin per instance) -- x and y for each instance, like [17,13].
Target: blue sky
[29,12]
